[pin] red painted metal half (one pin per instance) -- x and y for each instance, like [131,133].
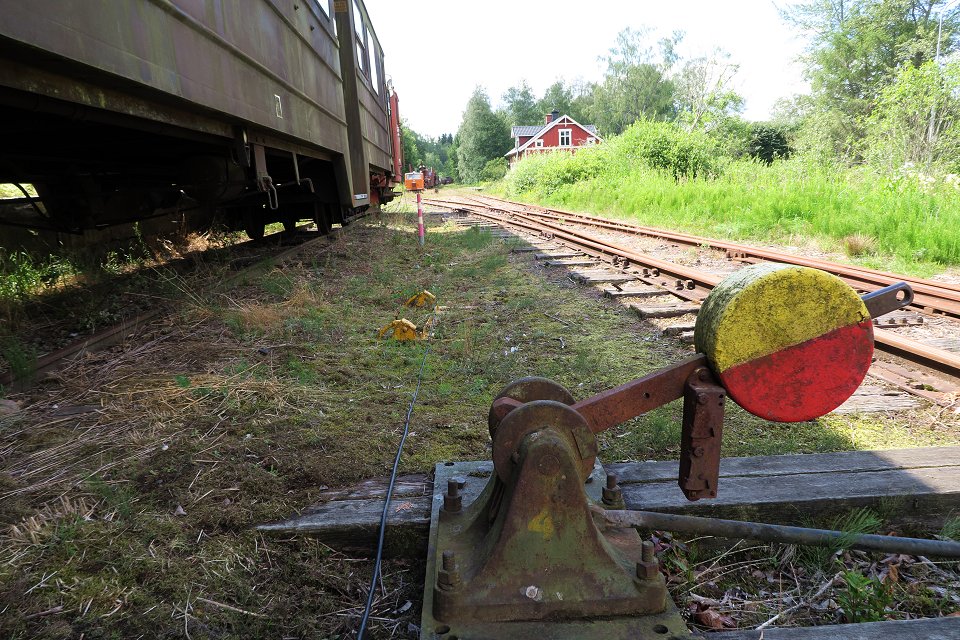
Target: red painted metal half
[804,381]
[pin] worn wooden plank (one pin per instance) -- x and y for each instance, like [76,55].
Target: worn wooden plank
[601,277]
[947,344]
[840,462]
[415,484]
[894,376]
[899,319]
[926,629]
[634,292]
[570,262]
[678,329]
[926,495]
[873,399]
[557,255]
[789,488]
[647,311]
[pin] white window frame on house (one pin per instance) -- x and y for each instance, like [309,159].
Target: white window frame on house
[538,144]
[591,140]
[569,134]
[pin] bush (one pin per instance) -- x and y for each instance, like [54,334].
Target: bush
[667,147]
[494,170]
[768,142]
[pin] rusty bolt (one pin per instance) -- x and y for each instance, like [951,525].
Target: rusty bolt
[678,284]
[698,452]
[646,551]
[452,499]
[648,568]
[611,494]
[449,575]
[691,284]
[655,272]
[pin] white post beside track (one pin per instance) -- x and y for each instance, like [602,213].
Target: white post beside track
[419,218]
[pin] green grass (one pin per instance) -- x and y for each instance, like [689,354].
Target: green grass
[255,400]
[910,227]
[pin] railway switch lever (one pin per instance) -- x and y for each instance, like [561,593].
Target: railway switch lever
[547,548]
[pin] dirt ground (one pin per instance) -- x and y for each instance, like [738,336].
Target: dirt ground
[130,482]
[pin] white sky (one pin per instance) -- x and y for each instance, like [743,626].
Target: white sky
[437,51]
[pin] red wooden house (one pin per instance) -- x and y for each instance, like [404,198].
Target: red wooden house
[557,132]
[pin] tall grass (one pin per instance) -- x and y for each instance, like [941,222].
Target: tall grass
[911,223]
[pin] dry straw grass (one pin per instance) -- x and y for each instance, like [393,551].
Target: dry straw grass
[859,244]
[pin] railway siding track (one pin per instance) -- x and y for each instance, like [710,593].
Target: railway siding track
[632,274]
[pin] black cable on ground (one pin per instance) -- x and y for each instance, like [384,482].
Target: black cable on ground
[386,504]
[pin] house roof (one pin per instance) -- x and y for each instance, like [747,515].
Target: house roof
[524,130]
[591,129]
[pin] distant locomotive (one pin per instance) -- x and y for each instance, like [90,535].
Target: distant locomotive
[263,110]
[422,178]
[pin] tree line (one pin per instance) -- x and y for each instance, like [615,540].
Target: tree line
[885,90]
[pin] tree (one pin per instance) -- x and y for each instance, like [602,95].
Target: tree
[412,155]
[917,119]
[768,142]
[635,87]
[482,137]
[703,91]
[520,105]
[857,47]
[573,100]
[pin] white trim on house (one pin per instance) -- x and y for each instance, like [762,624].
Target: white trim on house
[539,144]
[569,121]
[568,133]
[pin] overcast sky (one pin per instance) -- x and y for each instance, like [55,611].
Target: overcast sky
[437,51]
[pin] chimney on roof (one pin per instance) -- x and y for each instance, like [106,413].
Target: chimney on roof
[547,119]
[554,115]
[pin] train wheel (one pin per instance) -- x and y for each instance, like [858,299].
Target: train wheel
[255,230]
[253,223]
[321,217]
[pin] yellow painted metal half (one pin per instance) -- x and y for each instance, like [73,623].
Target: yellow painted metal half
[421,299]
[766,308]
[401,329]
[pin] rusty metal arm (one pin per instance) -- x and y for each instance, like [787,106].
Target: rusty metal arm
[778,533]
[615,406]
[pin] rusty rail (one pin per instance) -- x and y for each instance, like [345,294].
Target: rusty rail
[661,271]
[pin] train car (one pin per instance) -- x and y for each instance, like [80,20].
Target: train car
[262,110]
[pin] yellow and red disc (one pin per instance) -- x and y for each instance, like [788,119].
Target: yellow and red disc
[788,343]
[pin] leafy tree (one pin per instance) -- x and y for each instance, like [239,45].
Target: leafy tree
[917,119]
[635,86]
[412,155]
[557,97]
[482,137]
[572,100]
[703,91]
[768,142]
[857,48]
[520,105]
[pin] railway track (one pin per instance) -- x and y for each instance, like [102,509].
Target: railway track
[579,240]
[273,247]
